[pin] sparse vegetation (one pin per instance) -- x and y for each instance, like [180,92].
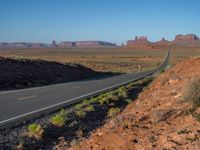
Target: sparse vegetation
[89,108]
[196,116]
[63,112]
[58,120]
[184,131]
[162,70]
[193,92]
[113,112]
[128,101]
[78,106]
[192,139]
[35,130]
[94,100]
[80,113]
[110,103]
[86,102]
[152,139]
[103,101]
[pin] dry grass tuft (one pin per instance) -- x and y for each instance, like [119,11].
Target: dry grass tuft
[192,92]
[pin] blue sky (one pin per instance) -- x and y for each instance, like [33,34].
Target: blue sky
[109,20]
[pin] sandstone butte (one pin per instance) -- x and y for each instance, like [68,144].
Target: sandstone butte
[180,40]
[157,119]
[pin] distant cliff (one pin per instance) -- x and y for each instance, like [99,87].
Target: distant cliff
[189,40]
[86,44]
[23,45]
[65,44]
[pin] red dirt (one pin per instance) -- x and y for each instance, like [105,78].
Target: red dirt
[155,119]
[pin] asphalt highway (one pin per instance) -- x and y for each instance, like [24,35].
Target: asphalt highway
[18,105]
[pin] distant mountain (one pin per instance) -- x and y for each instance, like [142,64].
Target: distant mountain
[189,40]
[23,45]
[85,44]
[65,44]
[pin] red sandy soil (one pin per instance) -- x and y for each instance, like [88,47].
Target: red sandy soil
[154,120]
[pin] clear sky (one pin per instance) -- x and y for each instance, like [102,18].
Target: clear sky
[109,20]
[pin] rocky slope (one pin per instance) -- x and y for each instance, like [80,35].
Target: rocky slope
[20,73]
[158,119]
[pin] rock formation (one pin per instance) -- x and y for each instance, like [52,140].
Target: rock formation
[188,37]
[189,40]
[162,42]
[53,45]
[139,42]
[86,44]
[23,45]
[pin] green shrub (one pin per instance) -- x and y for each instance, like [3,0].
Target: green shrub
[152,139]
[58,120]
[80,113]
[193,92]
[113,112]
[115,92]
[35,131]
[196,116]
[78,106]
[86,102]
[115,98]
[94,100]
[89,108]
[123,94]
[104,101]
[162,70]
[129,86]
[63,112]
[184,131]
[128,101]
[100,96]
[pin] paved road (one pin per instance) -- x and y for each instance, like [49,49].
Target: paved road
[16,105]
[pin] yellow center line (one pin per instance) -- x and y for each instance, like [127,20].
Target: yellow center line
[27,97]
[76,87]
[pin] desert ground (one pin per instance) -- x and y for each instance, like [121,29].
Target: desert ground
[122,60]
[93,122]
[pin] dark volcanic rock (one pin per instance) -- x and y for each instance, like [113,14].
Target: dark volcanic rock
[25,73]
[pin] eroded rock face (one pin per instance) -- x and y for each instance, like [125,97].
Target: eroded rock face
[138,40]
[53,44]
[83,44]
[188,37]
[23,45]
